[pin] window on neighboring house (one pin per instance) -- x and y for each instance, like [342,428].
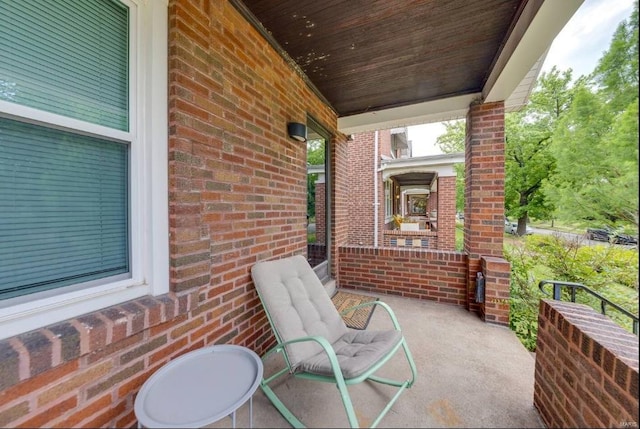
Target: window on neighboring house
[71,154]
[388,199]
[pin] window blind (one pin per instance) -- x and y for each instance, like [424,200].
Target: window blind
[64,208]
[68,57]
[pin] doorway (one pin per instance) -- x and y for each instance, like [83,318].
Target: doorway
[318,199]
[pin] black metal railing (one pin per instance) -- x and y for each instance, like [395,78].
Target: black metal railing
[574,287]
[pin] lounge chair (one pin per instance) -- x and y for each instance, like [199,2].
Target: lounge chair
[316,343]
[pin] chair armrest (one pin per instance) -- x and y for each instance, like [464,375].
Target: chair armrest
[318,339]
[384,305]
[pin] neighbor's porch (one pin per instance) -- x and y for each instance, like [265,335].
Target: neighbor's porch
[421,196]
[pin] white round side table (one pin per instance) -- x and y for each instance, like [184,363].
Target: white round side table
[199,388]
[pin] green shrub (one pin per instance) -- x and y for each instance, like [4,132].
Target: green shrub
[459,238]
[524,297]
[611,271]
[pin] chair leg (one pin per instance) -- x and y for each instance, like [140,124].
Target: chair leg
[341,384]
[348,405]
[286,413]
[387,407]
[401,385]
[412,363]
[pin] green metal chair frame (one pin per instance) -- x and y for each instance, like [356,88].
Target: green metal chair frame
[337,378]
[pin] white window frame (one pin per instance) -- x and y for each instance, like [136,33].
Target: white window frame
[149,218]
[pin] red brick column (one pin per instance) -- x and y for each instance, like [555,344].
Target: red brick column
[432,202]
[339,221]
[446,213]
[360,189]
[484,189]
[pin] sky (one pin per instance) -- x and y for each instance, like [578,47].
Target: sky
[578,46]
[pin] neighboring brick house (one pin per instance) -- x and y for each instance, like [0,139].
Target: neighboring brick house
[385,180]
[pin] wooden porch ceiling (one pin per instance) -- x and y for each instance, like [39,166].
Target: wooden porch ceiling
[415,179]
[367,57]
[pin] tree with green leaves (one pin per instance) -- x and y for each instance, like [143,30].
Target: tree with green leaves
[315,156]
[452,141]
[528,160]
[616,74]
[596,143]
[597,156]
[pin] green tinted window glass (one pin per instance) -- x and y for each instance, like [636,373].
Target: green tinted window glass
[64,215]
[69,57]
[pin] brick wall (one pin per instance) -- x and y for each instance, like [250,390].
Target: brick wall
[423,274]
[586,369]
[446,207]
[238,183]
[495,306]
[432,202]
[237,195]
[360,189]
[339,222]
[384,147]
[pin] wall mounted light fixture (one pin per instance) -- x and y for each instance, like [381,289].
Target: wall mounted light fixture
[297,131]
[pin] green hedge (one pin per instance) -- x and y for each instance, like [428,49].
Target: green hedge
[610,270]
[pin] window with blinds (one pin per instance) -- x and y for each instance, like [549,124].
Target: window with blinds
[64,192]
[67,57]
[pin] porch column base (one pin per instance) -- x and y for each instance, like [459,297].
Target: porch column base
[497,275]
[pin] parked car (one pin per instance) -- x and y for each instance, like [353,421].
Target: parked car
[512,227]
[611,235]
[619,238]
[599,234]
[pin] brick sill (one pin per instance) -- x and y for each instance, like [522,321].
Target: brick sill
[27,355]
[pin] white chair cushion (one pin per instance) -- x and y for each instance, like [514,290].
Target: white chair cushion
[357,351]
[298,305]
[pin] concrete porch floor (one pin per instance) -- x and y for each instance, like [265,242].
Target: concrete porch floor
[470,374]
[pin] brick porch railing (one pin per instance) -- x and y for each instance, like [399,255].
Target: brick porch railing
[434,275]
[586,368]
